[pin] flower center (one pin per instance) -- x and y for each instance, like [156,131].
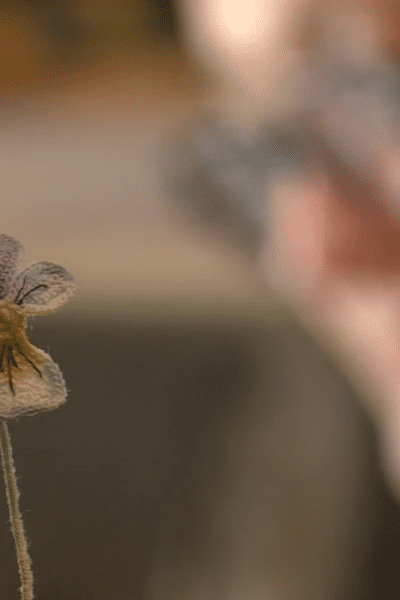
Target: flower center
[17,355]
[11,322]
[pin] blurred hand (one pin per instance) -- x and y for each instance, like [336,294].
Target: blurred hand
[338,265]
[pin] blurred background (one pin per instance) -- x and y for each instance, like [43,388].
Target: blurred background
[90,95]
[208,449]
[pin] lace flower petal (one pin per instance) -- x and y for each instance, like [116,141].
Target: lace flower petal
[30,392]
[11,256]
[43,287]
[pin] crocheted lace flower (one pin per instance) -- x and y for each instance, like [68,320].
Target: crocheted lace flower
[29,379]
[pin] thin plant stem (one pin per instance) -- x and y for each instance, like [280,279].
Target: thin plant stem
[17,525]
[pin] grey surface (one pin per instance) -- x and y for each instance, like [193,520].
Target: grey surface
[198,460]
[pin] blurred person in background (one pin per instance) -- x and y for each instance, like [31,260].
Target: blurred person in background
[307,110]
[315,85]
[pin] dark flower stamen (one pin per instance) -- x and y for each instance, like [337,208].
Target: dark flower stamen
[20,301]
[9,355]
[20,290]
[28,360]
